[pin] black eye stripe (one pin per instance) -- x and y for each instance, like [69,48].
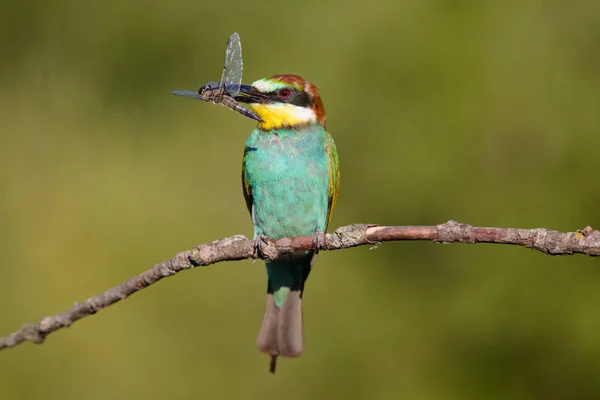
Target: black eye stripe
[301,99]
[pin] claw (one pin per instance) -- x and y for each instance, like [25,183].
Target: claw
[319,241]
[259,242]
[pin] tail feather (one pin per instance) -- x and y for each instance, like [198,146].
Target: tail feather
[281,329]
[281,332]
[289,333]
[267,336]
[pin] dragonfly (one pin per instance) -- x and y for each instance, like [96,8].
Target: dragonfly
[231,82]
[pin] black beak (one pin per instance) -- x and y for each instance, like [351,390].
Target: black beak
[248,94]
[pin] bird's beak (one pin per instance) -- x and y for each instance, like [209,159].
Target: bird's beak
[248,94]
[244,93]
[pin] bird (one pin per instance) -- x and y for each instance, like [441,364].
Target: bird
[290,181]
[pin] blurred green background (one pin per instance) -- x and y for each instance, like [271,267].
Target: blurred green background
[482,112]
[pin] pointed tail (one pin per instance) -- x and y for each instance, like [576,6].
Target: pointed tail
[281,331]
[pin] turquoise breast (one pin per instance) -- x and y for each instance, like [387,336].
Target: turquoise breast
[288,171]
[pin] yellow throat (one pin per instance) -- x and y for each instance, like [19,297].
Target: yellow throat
[282,115]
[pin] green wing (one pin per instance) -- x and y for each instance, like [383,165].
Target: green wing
[334,174]
[245,185]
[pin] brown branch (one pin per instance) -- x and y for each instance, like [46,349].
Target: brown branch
[586,241]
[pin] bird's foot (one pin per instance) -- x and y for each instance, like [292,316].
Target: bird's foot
[259,242]
[319,241]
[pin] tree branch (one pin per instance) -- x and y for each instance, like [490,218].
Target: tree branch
[586,241]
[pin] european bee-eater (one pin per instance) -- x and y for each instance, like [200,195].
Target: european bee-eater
[290,177]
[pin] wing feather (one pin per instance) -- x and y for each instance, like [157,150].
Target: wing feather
[246,185]
[334,174]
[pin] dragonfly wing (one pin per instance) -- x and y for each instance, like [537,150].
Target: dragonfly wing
[232,70]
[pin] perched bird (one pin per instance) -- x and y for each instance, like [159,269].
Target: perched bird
[290,177]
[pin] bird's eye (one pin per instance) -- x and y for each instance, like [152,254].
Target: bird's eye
[284,93]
